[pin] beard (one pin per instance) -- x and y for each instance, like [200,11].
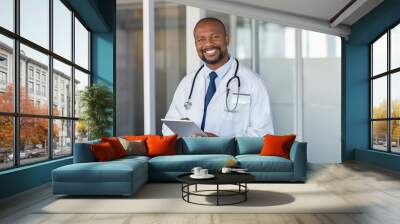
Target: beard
[221,55]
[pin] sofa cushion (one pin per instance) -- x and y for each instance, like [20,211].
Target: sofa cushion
[257,163]
[133,158]
[277,145]
[249,145]
[207,145]
[134,147]
[103,152]
[185,163]
[116,145]
[111,171]
[161,145]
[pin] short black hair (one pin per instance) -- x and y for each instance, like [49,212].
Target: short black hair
[210,19]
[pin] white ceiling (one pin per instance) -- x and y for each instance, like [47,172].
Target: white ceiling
[318,9]
[321,9]
[313,15]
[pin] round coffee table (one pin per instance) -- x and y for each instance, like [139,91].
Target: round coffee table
[238,179]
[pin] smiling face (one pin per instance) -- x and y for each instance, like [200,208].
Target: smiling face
[211,43]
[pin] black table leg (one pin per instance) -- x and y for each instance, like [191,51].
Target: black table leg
[196,188]
[217,194]
[188,190]
[245,193]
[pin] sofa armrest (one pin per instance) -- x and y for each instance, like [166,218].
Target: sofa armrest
[83,152]
[298,155]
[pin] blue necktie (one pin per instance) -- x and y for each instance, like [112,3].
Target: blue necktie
[210,93]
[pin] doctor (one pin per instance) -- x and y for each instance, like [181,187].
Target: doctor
[223,97]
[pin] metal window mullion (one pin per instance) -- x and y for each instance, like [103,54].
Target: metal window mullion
[50,81]
[371,132]
[16,84]
[389,101]
[149,67]
[73,82]
[255,62]
[298,86]
[89,51]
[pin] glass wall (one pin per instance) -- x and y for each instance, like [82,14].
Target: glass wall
[38,124]
[277,68]
[170,36]
[129,68]
[322,95]
[170,46]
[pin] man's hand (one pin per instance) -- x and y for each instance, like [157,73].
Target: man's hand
[209,134]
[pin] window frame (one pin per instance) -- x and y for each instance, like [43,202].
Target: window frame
[388,74]
[16,114]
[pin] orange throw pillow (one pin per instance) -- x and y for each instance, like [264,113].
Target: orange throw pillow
[103,152]
[116,145]
[136,137]
[161,145]
[275,145]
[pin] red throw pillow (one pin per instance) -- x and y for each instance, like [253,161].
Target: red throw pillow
[275,145]
[116,145]
[103,152]
[161,145]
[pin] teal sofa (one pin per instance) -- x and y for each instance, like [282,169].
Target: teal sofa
[125,176]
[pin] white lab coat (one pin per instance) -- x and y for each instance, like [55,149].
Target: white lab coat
[253,113]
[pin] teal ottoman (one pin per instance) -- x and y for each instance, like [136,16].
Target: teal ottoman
[118,177]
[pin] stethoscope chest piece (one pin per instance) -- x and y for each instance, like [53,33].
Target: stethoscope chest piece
[188,105]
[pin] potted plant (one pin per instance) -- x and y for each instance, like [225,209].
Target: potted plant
[96,102]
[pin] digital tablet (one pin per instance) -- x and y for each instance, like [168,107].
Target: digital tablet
[184,128]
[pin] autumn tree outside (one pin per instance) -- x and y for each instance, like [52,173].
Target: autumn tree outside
[33,131]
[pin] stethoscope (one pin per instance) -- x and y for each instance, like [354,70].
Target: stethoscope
[188,103]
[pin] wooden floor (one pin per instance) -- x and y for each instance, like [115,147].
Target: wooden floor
[378,188]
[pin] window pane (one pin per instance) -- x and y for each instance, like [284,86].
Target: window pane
[322,78]
[6,142]
[131,62]
[62,29]
[81,81]
[395,47]
[62,141]
[379,135]
[33,139]
[379,55]
[243,35]
[7,14]
[35,21]
[6,74]
[315,44]
[277,69]
[168,75]
[81,131]
[34,97]
[395,94]
[62,89]
[81,45]
[379,98]
[395,136]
